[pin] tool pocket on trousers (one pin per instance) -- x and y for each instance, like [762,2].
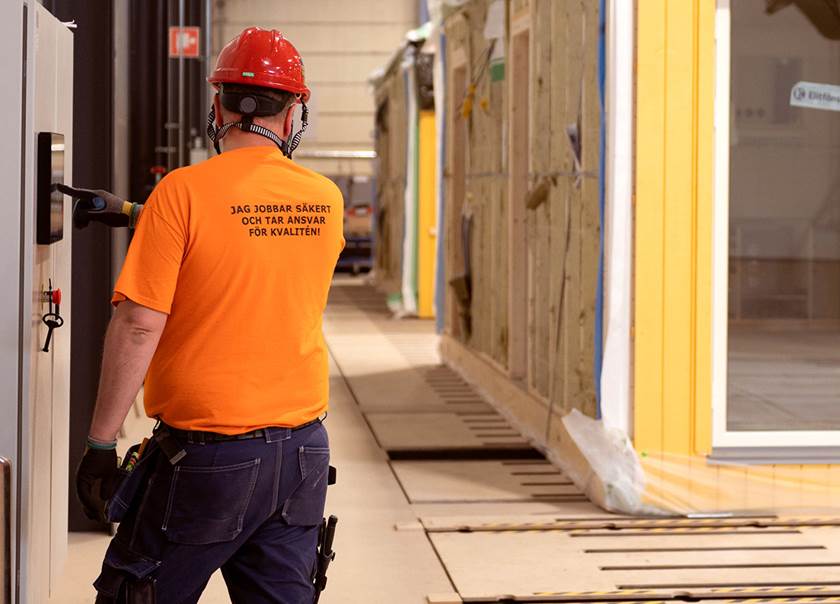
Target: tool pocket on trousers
[208,504]
[124,569]
[305,506]
[132,482]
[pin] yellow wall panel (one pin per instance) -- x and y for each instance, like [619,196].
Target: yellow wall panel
[679,204]
[704,217]
[834,486]
[426,215]
[673,210]
[673,279]
[650,154]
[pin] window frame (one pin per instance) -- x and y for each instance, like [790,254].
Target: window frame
[722,436]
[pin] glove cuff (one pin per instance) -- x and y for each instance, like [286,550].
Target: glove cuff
[101,445]
[134,214]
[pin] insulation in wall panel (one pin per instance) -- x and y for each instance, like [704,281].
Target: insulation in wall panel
[562,223]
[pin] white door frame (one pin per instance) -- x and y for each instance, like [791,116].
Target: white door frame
[617,368]
[722,437]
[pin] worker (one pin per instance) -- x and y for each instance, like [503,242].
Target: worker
[219,308]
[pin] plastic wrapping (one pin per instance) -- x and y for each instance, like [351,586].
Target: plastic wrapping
[602,462]
[608,469]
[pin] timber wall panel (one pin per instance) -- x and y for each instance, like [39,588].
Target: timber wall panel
[486,183]
[539,277]
[573,88]
[399,151]
[590,234]
[563,231]
[391,147]
[458,53]
[485,190]
[560,199]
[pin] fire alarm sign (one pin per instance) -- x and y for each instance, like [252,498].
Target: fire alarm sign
[184,42]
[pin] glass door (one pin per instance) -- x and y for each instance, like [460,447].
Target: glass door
[782,270]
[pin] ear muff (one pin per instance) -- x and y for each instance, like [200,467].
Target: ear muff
[250,104]
[247,105]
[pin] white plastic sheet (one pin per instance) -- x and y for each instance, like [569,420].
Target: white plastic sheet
[409,260]
[616,405]
[612,476]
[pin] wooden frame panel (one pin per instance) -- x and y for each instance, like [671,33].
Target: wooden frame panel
[457,191]
[519,161]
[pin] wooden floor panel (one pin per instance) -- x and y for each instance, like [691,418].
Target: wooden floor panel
[418,431]
[555,561]
[473,481]
[494,525]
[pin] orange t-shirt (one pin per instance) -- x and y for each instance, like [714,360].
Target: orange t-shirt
[239,251]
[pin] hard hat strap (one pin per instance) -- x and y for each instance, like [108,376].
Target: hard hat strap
[304,122]
[213,129]
[217,133]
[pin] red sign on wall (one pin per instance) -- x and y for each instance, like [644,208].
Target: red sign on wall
[184,42]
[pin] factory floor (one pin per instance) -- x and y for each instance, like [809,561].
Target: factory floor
[374,562]
[441,500]
[784,378]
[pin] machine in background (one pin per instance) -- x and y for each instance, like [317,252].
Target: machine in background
[358,192]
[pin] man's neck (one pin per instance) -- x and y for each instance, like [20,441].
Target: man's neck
[237,139]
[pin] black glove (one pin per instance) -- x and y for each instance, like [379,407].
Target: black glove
[96,205]
[96,480]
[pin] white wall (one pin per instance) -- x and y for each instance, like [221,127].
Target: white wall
[45,378]
[341,43]
[11,66]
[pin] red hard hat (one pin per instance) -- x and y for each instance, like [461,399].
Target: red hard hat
[261,57]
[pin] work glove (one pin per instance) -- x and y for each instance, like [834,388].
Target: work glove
[97,205]
[96,480]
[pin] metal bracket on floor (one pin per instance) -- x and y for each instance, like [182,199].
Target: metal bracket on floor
[409,526]
[645,524]
[722,595]
[452,598]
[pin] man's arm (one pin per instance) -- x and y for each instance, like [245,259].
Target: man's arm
[130,343]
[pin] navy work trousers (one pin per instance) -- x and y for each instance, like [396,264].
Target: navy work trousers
[250,507]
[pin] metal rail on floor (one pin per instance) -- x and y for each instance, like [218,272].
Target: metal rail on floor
[742,594]
[644,524]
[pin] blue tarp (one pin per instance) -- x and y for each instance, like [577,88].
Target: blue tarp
[599,297]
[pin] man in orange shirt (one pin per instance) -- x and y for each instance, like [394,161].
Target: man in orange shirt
[219,310]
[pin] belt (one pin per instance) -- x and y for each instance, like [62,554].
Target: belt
[200,436]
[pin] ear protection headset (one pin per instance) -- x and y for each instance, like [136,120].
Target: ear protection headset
[251,104]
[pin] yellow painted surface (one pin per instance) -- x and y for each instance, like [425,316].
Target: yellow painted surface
[682,484]
[650,198]
[673,279]
[704,221]
[426,215]
[673,276]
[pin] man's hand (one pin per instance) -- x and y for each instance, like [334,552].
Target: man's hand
[97,205]
[96,481]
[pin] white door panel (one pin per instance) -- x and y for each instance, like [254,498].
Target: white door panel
[44,492]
